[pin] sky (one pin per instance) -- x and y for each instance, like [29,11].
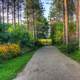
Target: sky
[47,7]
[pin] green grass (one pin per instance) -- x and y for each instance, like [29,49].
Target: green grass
[75,56]
[10,68]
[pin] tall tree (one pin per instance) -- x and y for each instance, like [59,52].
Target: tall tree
[3,10]
[79,24]
[66,21]
[0,11]
[77,20]
[33,13]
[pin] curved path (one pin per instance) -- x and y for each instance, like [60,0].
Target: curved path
[49,63]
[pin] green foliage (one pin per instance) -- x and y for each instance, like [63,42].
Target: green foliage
[10,68]
[16,34]
[13,35]
[57,37]
[75,55]
[42,28]
[57,33]
[57,8]
[72,27]
[43,31]
[4,35]
[72,46]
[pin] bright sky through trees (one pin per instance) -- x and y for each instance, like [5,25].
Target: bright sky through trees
[46,5]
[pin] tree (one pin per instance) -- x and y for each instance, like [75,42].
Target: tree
[77,20]
[60,10]
[66,21]
[0,11]
[79,24]
[33,13]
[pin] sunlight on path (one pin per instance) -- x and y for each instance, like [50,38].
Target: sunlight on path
[48,63]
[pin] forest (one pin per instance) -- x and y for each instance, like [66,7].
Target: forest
[24,29]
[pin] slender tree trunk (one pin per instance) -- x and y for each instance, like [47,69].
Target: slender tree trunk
[20,18]
[14,21]
[33,12]
[18,12]
[0,13]
[66,21]
[7,11]
[79,24]
[27,16]
[77,21]
[27,20]
[12,11]
[3,10]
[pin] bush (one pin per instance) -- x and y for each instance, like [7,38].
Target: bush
[19,34]
[38,43]
[9,50]
[57,33]
[25,40]
[45,41]
[70,48]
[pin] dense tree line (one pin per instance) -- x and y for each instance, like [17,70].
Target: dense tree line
[68,10]
[34,15]
[10,11]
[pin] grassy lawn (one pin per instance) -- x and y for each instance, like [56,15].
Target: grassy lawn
[75,55]
[10,68]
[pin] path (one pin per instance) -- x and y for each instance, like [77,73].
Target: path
[49,63]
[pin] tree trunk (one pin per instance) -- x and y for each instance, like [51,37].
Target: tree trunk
[77,21]
[7,11]
[14,21]
[66,21]
[27,16]
[18,11]
[0,12]
[79,24]
[3,11]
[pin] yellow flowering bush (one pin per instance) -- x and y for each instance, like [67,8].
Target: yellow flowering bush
[45,41]
[9,48]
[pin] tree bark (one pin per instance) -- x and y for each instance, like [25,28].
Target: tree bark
[14,20]
[7,11]
[0,12]
[3,11]
[66,21]
[79,24]
[77,21]
[18,12]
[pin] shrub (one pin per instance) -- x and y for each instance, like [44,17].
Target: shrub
[19,34]
[9,50]
[70,48]
[57,33]
[45,41]
[38,43]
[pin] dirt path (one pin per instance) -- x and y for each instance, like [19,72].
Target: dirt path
[49,63]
